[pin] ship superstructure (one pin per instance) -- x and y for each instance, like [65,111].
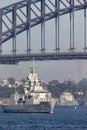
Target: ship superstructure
[67,99]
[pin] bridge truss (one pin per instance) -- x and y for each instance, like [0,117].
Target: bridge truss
[23,15]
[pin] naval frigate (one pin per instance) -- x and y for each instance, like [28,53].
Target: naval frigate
[35,99]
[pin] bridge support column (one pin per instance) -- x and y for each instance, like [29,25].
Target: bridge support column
[28,41]
[0,32]
[14,29]
[43,26]
[28,27]
[85,46]
[57,29]
[72,26]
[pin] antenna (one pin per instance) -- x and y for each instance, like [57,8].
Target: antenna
[33,67]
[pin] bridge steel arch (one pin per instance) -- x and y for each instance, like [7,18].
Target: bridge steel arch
[46,10]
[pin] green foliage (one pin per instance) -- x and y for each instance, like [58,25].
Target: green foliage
[20,89]
[23,80]
[5,92]
[11,80]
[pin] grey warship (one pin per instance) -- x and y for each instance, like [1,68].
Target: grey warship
[36,98]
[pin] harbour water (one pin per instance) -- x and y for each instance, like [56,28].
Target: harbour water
[63,118]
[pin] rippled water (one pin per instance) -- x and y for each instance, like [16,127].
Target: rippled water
[63,118]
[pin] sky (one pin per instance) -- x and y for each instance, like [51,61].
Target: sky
[60,70]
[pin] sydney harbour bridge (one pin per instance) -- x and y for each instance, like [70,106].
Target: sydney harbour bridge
[24,15]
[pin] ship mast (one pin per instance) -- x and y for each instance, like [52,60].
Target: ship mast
[33,67]
[32,76]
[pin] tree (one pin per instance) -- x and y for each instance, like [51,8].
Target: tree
[11,80]
[23,80]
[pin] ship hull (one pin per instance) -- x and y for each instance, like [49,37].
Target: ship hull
[43,107]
